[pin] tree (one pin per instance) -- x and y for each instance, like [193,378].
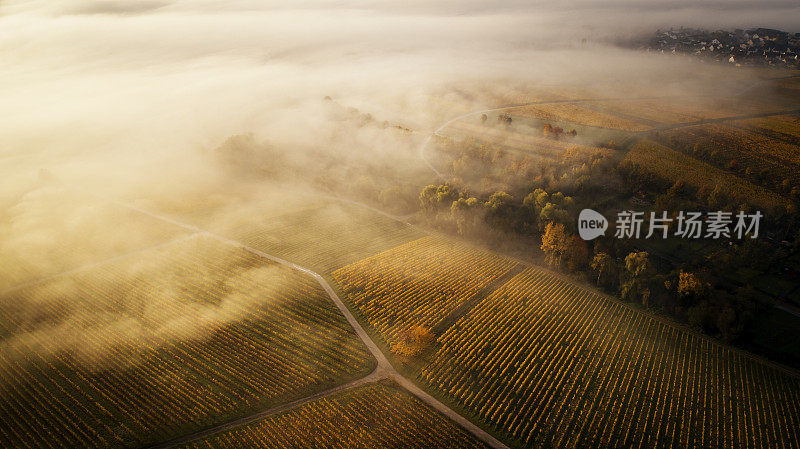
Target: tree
[555,244]
[536,200]
[413,341]
[499,208]
[427,199]
[464,211]
[433,197]
[578,254]
[552,213]
[698,314]
[689,286]
[605,270]
[533,204]
[634,286]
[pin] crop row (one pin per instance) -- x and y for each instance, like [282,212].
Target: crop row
[662,162]
[419,283]
[781,127]
[147,348]
[722,144]
[52,230]
[325,238]
[570,112]
[373,416]
[552,364]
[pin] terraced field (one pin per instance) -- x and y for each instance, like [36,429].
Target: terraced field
[373,416]
[419,283]
[162,343]
[554,365]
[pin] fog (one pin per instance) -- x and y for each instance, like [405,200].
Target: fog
[138,81]
[130,99]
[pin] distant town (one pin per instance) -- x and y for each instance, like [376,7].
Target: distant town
[760,46]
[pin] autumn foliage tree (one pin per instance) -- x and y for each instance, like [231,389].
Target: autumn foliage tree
[555,244]
[578,257]
[689,286]
[412,342]
[635,277]
[604,268]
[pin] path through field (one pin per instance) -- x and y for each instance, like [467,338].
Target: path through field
[383,370]
[667,127]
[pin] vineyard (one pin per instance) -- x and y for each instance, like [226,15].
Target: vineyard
[418,284]
[531,144]
[217,211]
[50,230]
[570,112]
[738,149]
[165,342]
[551,364]
[780,127]
[654,110]
[670,165]
[373,416]
[324,238]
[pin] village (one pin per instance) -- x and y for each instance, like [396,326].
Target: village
[760,46]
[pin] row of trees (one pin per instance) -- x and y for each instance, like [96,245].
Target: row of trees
[706,307]
[508,196]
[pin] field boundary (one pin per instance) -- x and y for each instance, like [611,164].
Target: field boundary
[384,369]
[99,263]
[374,376]
[473,301]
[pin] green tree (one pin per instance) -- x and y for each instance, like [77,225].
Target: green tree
[634,286]
[552,213]
[433,197]
[499,209]
[605,270]
[464,212]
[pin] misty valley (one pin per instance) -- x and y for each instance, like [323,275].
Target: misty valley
[371,225]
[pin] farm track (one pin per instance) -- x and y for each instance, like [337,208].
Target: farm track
[97,264]
[374,376]
[384,368]
[468,305]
